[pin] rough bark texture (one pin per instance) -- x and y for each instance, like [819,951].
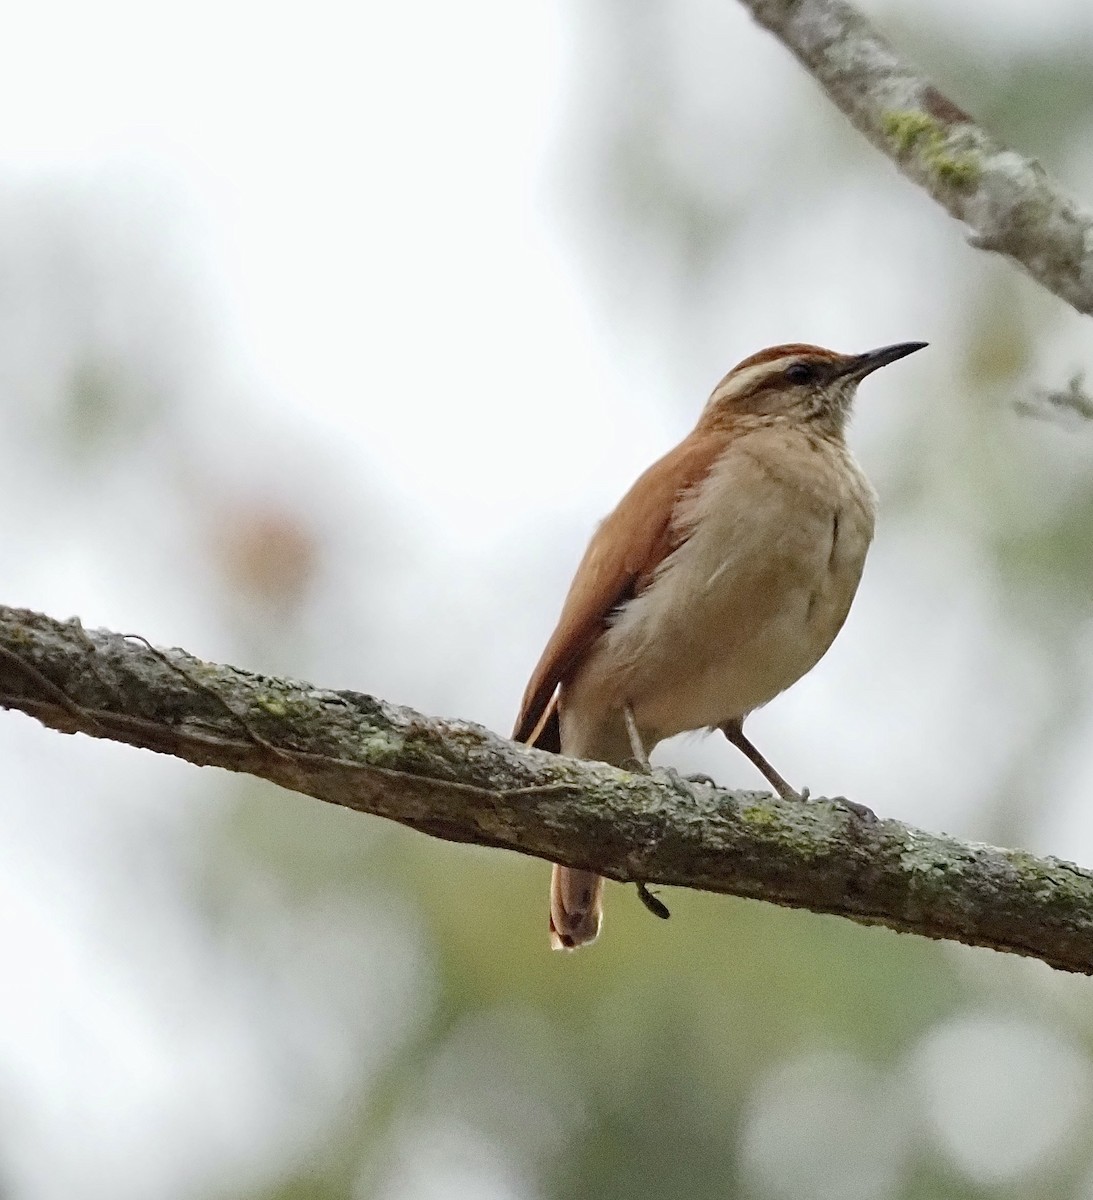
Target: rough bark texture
[460,782]
[1010,203]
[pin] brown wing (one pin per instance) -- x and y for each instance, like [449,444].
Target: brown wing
[620,560]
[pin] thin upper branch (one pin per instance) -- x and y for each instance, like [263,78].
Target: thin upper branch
[460,782]
[1009,202]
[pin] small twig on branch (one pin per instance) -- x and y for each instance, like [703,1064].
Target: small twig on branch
[1009,203]
[460,782]
[1071,401]
[217,698]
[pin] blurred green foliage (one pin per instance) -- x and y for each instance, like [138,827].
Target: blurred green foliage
[655,1065]
[634,1070]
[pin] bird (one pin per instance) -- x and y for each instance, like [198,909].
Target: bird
[720,579]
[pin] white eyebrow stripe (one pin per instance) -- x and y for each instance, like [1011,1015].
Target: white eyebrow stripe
[736,383]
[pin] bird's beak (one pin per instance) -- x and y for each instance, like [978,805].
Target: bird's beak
[860,365]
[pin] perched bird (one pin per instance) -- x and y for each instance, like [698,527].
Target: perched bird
[720,579]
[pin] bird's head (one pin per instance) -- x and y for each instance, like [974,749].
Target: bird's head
[798,382]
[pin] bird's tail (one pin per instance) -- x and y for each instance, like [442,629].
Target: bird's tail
[576,897]
[576,907]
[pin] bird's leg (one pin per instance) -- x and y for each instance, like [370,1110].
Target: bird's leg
[637,748]
[657,907]
[734,731]
[641,757]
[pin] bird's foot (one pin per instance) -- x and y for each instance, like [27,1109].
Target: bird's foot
[701,778]
[790,795]
[864,814]
[657,907]
[684,785]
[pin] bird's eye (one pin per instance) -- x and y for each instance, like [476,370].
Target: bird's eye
[801,373]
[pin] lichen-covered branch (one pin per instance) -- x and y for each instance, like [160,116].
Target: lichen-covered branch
[460,782]
[1009,202]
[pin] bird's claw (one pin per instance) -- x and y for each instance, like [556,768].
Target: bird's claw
[684,784]
[657,907]
[864,814]
[701,778]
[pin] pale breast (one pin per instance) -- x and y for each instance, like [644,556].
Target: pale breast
[756,593]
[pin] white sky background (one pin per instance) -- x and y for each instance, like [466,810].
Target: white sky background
[350,246]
